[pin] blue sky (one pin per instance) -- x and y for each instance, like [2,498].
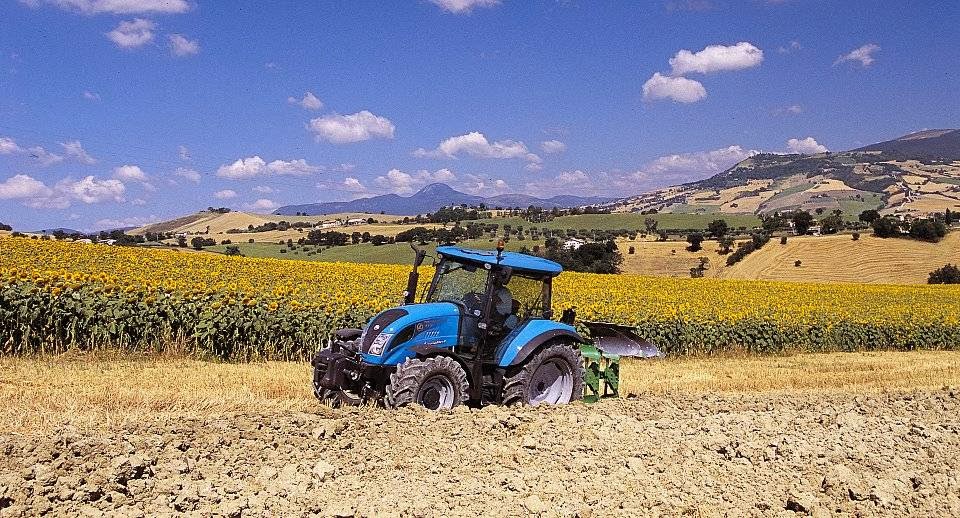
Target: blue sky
[120,112]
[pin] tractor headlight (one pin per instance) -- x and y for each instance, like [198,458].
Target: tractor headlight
[379,343]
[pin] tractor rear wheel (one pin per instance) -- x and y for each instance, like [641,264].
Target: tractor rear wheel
[437,383]
[554,376]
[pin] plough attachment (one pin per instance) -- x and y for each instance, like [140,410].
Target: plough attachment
[610,342]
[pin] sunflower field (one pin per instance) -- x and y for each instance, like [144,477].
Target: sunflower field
[56,296]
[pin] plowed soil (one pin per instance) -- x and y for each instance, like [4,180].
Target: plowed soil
[892,453]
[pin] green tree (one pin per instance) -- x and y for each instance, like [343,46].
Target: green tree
[718,228]
[726,243]
[197,243]
[947,274]
[886,227]
[831,224]
[802,221]
[928,230]
[695,239]
[869,216]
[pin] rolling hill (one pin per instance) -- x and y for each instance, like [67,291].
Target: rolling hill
[431,198]
[916,174]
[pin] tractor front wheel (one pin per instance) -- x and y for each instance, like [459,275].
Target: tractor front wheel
[437,383]
[554,376]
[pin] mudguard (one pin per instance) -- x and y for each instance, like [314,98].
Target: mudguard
[523,341]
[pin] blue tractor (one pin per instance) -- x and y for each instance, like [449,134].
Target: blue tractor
[483,333]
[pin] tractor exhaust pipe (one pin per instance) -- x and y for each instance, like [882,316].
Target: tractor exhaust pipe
[410,294]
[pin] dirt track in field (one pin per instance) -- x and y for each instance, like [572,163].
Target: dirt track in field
[879,454]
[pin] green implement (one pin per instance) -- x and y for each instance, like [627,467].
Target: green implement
[601,357]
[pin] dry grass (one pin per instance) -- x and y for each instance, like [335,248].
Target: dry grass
[840,259]
[668,258]
[101,391]
[831,372]
[98,392]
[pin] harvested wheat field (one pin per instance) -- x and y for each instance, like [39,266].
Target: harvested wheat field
[866,434]
[840,259]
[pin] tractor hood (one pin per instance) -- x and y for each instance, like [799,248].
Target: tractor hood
[389,337]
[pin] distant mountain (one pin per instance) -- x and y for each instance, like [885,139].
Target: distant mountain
[51,231]
[917,173]
[431,198]
[942,144]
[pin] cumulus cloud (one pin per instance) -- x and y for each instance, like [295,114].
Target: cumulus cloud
[346,129]
[251,167]
[292,167]
[476,145]
[691,166]
[8,146]
[263,189]
[678,89]
[262,204]
[353,185]
[404,183]
[116,6]
[92,190]
[225,194]
[308,102]
[188,174]
[22,186]
[806,146]
[479,185]
[73,149]
[794,45]
[133,221]
[716,58]
[181,46]
[553,146]
[130,173]
[133,33]
[863,55]
[463,6]
[243,168]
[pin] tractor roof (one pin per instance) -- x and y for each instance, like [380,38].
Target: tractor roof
[517,261]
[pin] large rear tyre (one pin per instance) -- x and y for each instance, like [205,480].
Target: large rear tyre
[553,376]
[437,383]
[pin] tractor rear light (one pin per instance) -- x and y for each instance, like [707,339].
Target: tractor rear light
[379,343]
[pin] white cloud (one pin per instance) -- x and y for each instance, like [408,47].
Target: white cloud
[567,182]
[188,174]
[8,146]
[292,167]
[309,101]
[117,6]
[92,190]
[74,149]
[353,185]
[476,145]
[553,146]
[807,146]
[679,89]
[134,221]
[91,96]
[689,166]
[863,55]
[463,6]
[404,183]
[183,153]
[133,33]
[479,185]
[22,186]
[225,194]
[138,201]
[262,204]
[181,46]
[790,47]
[263,189]
[793,109]
[357,127]
[243,168]
[716,58]
[130,173]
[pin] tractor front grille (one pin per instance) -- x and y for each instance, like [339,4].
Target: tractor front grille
[378,324]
